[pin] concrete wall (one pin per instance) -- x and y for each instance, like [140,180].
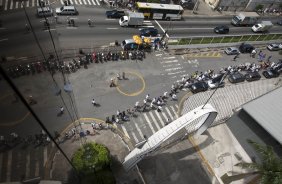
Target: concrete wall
[268,4]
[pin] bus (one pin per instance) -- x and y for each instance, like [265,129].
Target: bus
[160,11]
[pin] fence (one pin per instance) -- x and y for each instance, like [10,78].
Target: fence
[224,39]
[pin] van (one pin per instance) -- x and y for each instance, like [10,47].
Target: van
[47,11]
[66,10]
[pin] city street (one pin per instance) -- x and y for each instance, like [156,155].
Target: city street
[154,75]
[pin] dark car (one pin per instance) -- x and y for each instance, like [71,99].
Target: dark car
[199,86]
[252,76]
[149,32]
[270,73]
[115,14]
[236,77]
[246,48]
[221,29]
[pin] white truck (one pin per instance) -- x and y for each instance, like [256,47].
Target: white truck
[131,19]
[264,26]
[245,19]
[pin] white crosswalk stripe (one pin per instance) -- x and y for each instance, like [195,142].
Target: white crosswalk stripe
[148,123]
[12,4]
[160,119]
[154,120]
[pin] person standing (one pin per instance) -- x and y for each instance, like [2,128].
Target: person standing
[93,102]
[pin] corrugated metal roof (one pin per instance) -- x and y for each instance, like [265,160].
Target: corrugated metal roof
[267,111]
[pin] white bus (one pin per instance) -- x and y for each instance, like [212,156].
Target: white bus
[160,11]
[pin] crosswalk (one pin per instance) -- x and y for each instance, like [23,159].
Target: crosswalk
[23,163]
[7,5]
[172,66]
[83,2]
[148,123]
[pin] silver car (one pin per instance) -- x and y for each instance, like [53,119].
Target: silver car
[232,51]
[274,46]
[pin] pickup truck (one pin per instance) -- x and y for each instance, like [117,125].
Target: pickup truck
[115,14]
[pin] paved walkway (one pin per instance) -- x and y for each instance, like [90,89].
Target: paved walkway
[117,148]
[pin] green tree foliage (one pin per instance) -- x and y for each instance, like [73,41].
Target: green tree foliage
[270,170]
[259,7]
[154,1]
[91,156]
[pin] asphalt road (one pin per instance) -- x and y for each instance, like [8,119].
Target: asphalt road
[14,39]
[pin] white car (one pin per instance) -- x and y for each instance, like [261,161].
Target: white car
[274,47]
[216,82]
[232,51]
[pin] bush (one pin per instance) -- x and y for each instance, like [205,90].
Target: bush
[259,7]
[91,156]
[93,161]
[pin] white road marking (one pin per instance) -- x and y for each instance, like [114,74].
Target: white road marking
[138,129]
[112,28]
[50,30]
[146,26]
[135,138]
[98,3]
[162,28]
[147,21]
[173,69]
[17,5]
[165,66]
[33,2]
[45,154]
[172,57]
[5,39]
[159,117]
[149,122]
[71,1]
[124,131]
[6,5]
[85,2]
[75,1]
[27,165]
[159,54]
[171,117]
[22,4]
[174,111]
[11,5]
[62,2]
[80,2]
[36,172]
[93,1]
[164,115]
[9,166]
[171,61]
[192,28]
[176,72]
[71,27]
[89,2]
[27,4]
[154,120]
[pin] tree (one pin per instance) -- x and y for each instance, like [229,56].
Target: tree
[259,7]
[270,169]
[93,161]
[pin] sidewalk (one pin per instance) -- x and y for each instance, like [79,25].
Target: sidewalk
[61,169]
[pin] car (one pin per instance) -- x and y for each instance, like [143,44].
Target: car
[274,47]
[252,76]
[236,77]
[223,29]
[216,82]
[270,73]
[279,22]
[149,32]
[232,51]
[246,48]
[115,14]
[66,10]
[44,11]
[186,4]
[129,44]
[198,87]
